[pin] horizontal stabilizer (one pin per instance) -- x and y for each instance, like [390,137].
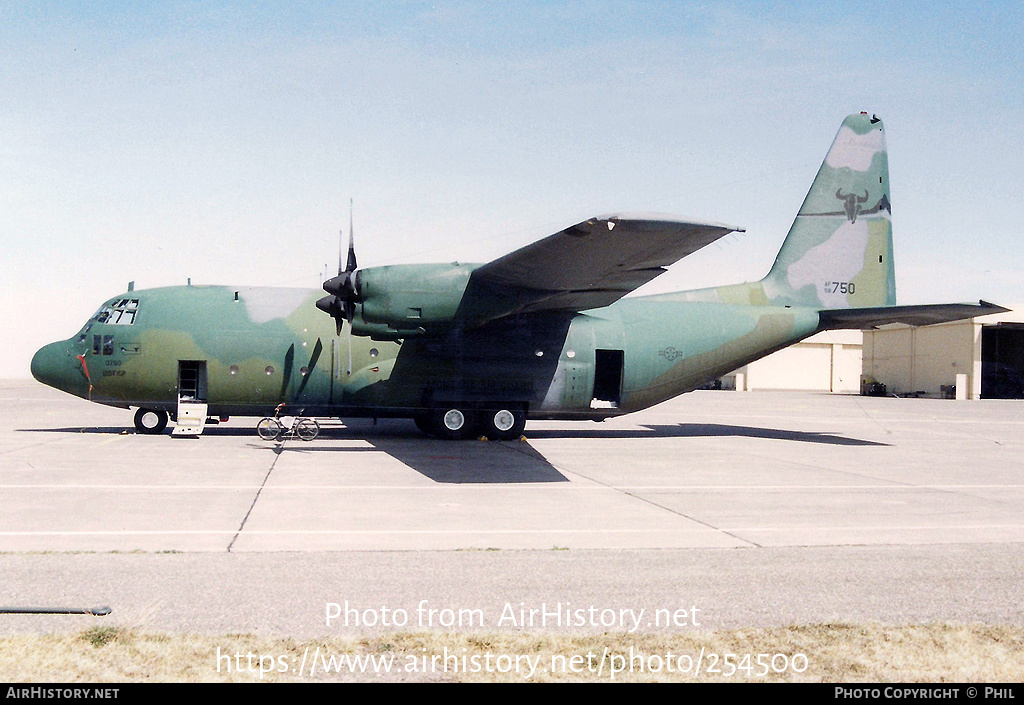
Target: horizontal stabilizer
[922,315]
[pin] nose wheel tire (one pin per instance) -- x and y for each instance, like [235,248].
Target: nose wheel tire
[151,421]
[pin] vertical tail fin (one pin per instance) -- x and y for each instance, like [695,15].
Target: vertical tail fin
[838,253]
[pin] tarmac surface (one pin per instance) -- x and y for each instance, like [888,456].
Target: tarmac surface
[723,509]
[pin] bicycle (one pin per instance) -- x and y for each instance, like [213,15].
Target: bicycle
[276,427]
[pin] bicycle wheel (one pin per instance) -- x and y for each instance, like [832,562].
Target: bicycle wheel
[307,429]
[269,428]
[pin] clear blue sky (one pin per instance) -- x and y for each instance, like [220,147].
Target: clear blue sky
[222,141]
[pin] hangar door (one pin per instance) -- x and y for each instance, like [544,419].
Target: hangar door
[1002,361]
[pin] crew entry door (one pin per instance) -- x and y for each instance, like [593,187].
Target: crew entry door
[192,406]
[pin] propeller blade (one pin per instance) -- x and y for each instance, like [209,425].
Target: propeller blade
[351,264]
[344,287]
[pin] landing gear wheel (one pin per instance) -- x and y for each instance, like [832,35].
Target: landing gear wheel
[452,424]
[150,421]
[504,424]
[269,428]
[424,424]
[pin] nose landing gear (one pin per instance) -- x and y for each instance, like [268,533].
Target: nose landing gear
[150,421]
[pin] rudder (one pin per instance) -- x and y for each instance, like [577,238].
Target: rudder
[838,253]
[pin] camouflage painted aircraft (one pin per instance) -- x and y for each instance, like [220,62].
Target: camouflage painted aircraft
[542,333]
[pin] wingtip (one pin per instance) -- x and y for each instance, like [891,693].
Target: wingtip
[651,217]
[995,308]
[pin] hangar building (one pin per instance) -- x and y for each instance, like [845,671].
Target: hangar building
[826,362]
[979,358]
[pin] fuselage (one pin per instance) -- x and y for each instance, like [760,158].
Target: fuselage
[533,334]
[243,351]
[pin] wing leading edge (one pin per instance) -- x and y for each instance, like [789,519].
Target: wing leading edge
[588,265]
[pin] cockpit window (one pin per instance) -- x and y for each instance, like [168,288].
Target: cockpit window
[119,312]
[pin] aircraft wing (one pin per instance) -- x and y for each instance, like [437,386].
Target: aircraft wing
[923,315]
[588,265]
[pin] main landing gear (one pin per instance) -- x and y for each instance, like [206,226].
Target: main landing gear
[453,423]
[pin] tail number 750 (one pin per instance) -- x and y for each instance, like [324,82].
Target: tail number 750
[840,288]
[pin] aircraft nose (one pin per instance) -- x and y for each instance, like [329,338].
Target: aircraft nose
[57,366]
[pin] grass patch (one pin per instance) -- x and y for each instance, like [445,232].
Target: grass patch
[101,636]
[816,653]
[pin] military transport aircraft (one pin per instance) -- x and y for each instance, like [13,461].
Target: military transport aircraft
[542,333]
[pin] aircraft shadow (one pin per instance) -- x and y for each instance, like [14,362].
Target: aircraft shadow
[703,430]
[396,430]
[481,462]
[452,462]
[448,462]
[130,430]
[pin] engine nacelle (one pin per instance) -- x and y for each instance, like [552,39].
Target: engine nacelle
[411,297]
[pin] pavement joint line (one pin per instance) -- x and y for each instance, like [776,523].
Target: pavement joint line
[238,532]
[652,503]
